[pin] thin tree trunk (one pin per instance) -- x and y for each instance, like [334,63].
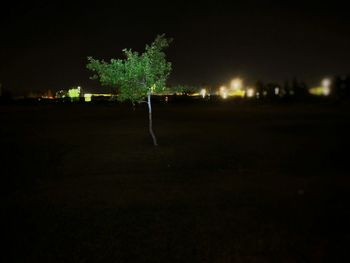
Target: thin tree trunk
[150,119]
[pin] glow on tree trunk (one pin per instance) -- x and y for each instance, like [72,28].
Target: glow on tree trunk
[150,119]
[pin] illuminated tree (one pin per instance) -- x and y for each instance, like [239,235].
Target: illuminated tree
[137,76]
[74,93]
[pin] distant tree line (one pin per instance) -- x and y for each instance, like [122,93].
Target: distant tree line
[299,90]
[289,90]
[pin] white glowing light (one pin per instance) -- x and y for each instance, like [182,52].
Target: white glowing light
[223,92]
[326,91]
[326,82]
[326,85]
[277,90]
[236,84]
[250,92]
[203,93]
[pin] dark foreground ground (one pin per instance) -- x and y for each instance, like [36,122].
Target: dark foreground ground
[228,183]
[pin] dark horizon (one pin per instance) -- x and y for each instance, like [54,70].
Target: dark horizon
[45,45]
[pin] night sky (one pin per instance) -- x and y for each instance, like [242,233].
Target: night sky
[44,44]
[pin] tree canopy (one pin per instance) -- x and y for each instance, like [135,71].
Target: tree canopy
[138,75]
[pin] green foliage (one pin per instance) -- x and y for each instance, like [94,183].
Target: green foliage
[74,93]
[138,74]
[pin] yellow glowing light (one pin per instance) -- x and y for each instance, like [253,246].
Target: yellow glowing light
[236,84]
[101,95]
[320,91]
[236,93]
[87,97]
[250,92]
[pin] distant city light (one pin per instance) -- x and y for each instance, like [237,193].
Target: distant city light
[326,82]
[326,91]
[61,94]
[87,97]
[250,92]
[277,91]
[223,92]
[237,93]
[323,90]
[203,93]
[236,84]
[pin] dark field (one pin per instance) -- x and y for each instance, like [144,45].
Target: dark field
[228,183]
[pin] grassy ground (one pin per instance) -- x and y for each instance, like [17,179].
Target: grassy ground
[228,183]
